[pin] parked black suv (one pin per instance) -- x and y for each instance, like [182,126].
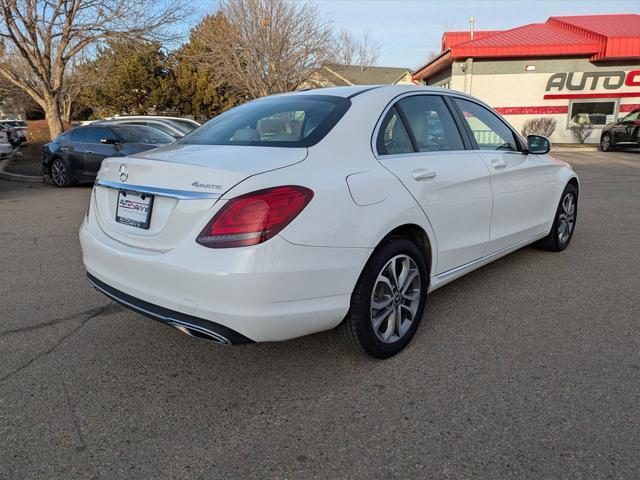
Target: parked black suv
[77,154]
[623,133]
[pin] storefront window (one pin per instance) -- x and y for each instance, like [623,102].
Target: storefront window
[591,113]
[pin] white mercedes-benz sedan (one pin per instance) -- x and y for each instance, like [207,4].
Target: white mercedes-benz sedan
[339,207]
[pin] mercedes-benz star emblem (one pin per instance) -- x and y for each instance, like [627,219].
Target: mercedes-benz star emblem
[124,172]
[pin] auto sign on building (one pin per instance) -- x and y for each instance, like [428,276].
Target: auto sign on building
[577,70]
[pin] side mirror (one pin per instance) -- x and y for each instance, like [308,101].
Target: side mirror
[109,141]
[538,145]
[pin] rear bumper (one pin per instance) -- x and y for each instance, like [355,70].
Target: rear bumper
[188,324]
[269,292]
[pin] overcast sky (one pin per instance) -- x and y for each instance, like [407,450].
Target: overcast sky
[407,30]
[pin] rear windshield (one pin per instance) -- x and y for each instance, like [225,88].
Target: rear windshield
[280,121]
[184,125]
[140,134]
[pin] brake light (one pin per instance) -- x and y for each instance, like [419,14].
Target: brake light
[254,217]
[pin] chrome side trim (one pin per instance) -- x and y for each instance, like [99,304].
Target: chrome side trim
[522,243]
[165,192]
[184,327]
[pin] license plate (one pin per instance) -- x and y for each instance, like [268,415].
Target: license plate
[134,209]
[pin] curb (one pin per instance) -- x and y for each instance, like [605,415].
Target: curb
[16,177]
[574,149]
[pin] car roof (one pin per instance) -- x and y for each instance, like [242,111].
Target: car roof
[390,91]
[92,124]
[148,117]
[136,119]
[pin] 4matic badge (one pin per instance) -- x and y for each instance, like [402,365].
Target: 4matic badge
[197,184]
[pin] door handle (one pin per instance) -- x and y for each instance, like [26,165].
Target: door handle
[89,152]
[422,174]
[498,164]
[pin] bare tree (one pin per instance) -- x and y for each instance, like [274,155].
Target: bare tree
[16,97]
[40,37]
[430,56]
[544,126]
[268,46]
[351,51]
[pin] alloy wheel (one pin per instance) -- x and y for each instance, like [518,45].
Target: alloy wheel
[395,298]
[567,218]
[605,142]
[59,173]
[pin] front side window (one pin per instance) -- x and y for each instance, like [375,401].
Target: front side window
[591,113]
[279,121]
[393,138]
[431,123]
[490,132]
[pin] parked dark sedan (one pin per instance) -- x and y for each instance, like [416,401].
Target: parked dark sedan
[625,132]
[76,155]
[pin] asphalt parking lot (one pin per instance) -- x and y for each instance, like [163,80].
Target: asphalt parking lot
[526,368]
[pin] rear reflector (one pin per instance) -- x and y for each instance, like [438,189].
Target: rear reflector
[254,217]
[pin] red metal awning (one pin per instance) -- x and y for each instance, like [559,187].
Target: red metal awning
[598,37]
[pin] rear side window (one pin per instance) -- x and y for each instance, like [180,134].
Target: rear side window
[490,132]
[431,123]
[65,137]
[393,138]
[280,121]
[79,135]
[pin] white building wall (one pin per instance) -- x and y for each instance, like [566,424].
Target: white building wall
[519,94]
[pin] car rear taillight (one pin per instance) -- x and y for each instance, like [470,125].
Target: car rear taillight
[254,217]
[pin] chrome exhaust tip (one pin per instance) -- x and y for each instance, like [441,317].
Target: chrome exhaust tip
[199,332]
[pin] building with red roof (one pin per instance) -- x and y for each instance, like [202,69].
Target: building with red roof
[576,69]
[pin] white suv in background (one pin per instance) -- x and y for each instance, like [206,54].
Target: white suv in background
[174,126]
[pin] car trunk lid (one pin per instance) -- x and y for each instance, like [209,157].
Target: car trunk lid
[185,181]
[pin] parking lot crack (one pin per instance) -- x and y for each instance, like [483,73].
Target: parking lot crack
[106,310]
[94,313]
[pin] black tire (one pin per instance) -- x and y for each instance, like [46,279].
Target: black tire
[555,241]
[357,329]
[606,142]
[59,173]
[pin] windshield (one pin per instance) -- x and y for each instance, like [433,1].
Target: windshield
[140,134]
[279,121]
[635,115]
